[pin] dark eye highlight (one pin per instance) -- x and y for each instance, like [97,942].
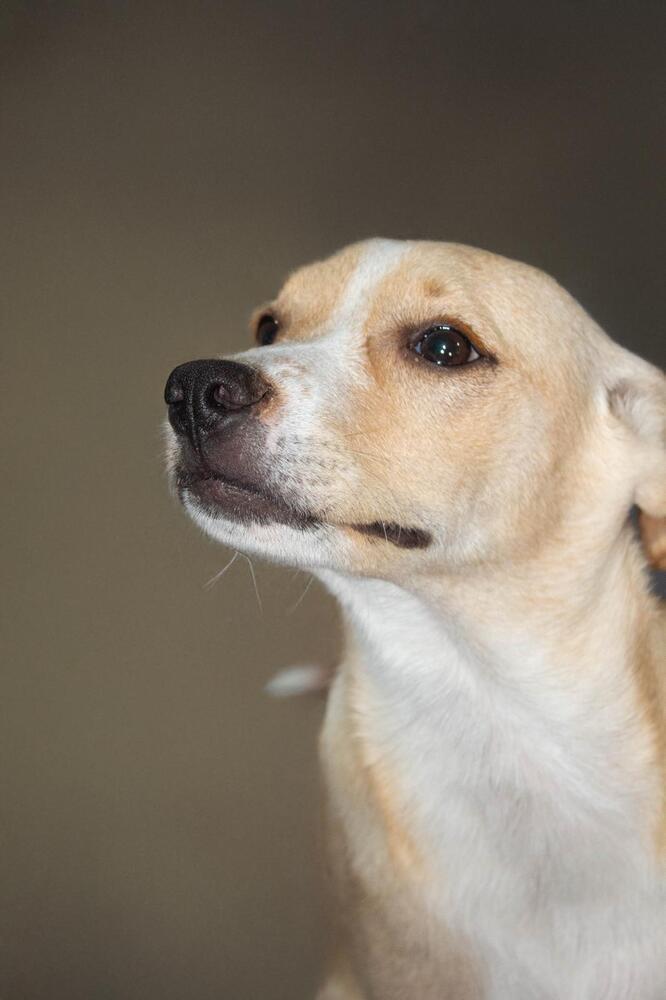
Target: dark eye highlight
[267,329]
[445,346]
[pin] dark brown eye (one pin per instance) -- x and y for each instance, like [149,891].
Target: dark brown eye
[445,346]
[267,329]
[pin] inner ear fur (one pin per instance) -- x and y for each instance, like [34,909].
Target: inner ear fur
[638,401]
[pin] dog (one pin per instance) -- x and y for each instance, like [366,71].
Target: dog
[450,443]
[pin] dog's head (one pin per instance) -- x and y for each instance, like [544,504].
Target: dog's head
[416,405]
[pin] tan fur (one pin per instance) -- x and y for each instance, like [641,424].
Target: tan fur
[650,656]
[311,294]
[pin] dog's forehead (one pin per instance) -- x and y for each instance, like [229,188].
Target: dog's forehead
[338,290]
[396,275]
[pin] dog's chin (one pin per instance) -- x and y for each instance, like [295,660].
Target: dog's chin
[244,517]
[289,542]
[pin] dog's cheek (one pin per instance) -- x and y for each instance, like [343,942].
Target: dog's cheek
[312,473]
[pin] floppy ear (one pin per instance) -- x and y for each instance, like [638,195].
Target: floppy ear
[638,401]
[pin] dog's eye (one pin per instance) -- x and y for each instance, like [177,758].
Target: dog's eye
[444,345]
[267,329]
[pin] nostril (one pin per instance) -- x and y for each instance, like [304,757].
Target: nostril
[220,396]
[173,394]
[228,396]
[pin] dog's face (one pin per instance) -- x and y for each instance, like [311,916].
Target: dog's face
[411,406]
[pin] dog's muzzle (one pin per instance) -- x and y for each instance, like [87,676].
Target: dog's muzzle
[221,465]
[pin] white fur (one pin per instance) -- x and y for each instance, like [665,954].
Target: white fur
[518,794]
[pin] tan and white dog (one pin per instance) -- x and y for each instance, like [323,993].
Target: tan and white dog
[453,446]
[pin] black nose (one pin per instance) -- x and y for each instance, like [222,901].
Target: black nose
[201,395]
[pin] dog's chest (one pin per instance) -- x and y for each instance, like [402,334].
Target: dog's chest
[517,840]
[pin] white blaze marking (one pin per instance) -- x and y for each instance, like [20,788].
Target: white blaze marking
[315,379]
[378,259]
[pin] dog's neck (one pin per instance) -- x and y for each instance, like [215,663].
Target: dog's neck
[586,611]
[536,672]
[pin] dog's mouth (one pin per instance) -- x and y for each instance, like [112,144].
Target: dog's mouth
[248,503]
[219,495]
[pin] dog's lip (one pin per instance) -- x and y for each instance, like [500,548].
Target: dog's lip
[185,478]
[220,494]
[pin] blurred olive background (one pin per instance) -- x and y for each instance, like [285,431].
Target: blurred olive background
[163,166]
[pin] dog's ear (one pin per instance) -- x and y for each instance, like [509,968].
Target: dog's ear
[638,401]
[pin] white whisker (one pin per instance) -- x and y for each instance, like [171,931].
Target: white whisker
[213,580]
[254,581]
[300,600]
